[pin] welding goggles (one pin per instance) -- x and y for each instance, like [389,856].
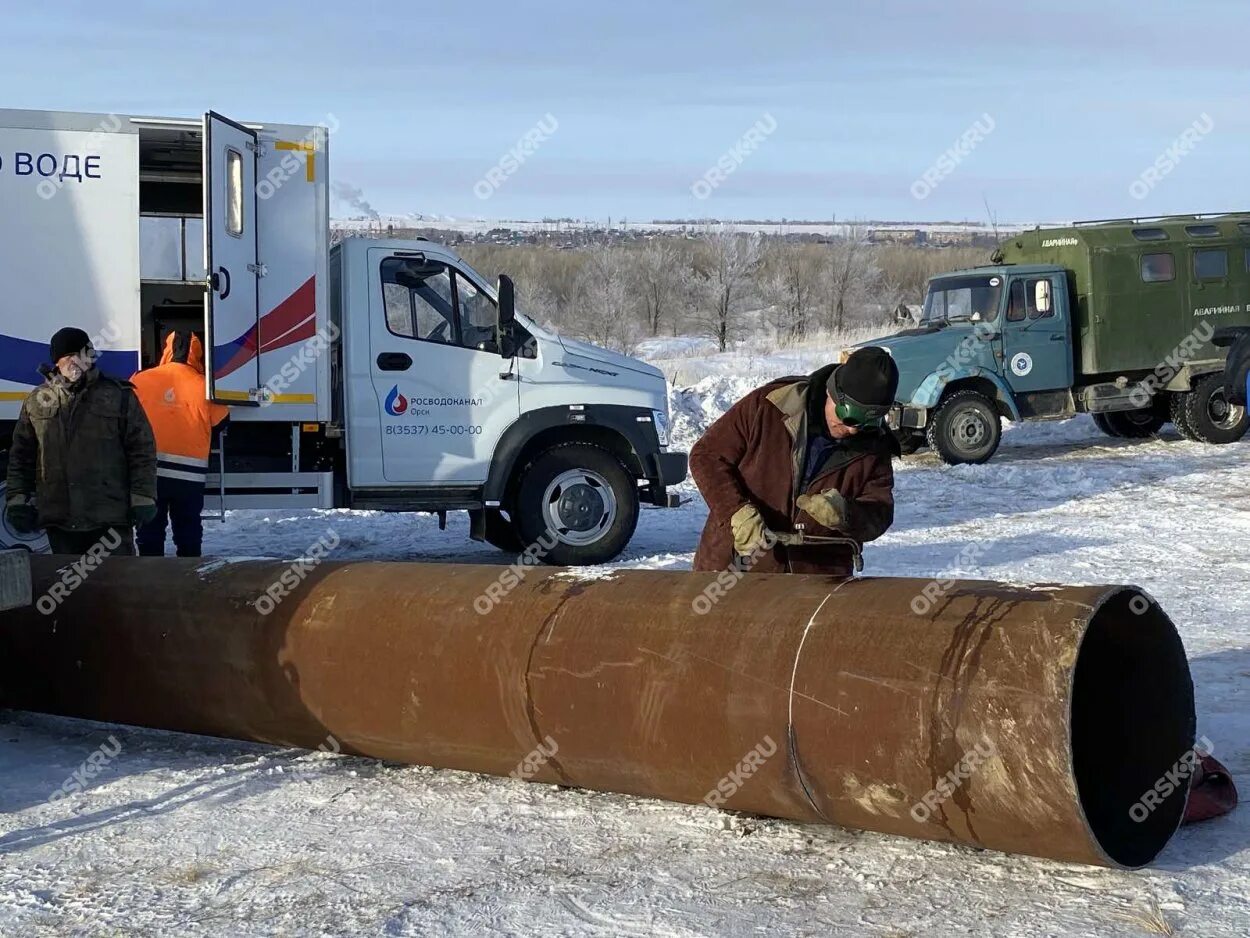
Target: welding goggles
[854,414]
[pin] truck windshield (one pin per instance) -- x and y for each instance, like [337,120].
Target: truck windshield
[963,299]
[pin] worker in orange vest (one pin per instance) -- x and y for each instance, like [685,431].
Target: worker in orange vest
[183,419]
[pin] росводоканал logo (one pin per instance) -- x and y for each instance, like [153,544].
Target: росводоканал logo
[396,404]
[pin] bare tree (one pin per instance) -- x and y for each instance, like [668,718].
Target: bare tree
[910,268]
[661,277]
[603,292]
[853,276]
[535,298]
[791,283]
[727,264]
[548,281]
[614,294]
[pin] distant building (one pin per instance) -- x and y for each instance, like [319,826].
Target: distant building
[896,236]
[952,239]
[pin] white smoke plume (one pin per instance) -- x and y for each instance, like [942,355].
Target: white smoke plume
[354,197]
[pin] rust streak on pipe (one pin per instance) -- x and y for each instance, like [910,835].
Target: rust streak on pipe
[1022,719]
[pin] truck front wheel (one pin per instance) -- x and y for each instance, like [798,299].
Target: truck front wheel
[1205,415]
[965,429]
[576,505]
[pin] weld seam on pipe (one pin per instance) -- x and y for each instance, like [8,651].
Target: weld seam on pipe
[792,740]
[546,626]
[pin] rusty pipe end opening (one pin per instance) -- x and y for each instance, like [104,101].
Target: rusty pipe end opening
[1132,724]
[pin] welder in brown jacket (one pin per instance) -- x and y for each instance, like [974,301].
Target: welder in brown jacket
[808,451]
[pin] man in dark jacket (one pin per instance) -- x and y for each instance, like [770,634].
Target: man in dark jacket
[82,463]
[808,451]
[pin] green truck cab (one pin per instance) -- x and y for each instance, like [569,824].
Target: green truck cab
[1111,318]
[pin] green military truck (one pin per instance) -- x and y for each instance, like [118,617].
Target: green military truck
[1111,318]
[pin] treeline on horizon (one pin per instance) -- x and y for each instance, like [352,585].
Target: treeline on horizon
[722,283]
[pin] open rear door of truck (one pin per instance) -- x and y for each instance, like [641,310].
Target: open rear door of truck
[232,313]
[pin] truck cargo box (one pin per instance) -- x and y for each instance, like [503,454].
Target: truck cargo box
[104,228]
[1156,281]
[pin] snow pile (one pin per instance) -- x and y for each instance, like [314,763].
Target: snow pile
[704,383]
[694,409]
[696,356]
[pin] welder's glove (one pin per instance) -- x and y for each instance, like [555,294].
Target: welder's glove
[142,510]
[22,517]
[750,532]
[828,509]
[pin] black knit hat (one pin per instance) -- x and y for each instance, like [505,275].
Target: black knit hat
[67,341]
[869,378]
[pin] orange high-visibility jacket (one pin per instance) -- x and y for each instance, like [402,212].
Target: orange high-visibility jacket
[174,398]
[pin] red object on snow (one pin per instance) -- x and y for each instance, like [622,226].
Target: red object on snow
[1211,792]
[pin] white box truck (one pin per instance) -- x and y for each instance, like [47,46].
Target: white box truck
[374,374]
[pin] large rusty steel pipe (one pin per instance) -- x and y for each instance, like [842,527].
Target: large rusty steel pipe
[859,711]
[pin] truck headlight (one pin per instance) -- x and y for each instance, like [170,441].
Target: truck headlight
[660,418]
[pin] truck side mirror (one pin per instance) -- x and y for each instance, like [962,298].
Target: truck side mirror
[507,301]
[506,316]
[1041,296]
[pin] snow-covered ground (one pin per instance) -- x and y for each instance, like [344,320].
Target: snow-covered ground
[187,835]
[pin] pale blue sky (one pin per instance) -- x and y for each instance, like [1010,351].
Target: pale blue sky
[866,95]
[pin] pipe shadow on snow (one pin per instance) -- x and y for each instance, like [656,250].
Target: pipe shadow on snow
[236,783]
[52,744]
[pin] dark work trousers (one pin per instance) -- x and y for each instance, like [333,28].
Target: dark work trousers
[117,542]
[180,505]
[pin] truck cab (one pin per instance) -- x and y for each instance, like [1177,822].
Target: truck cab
[1116,319]
[453,399]
[991,342]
